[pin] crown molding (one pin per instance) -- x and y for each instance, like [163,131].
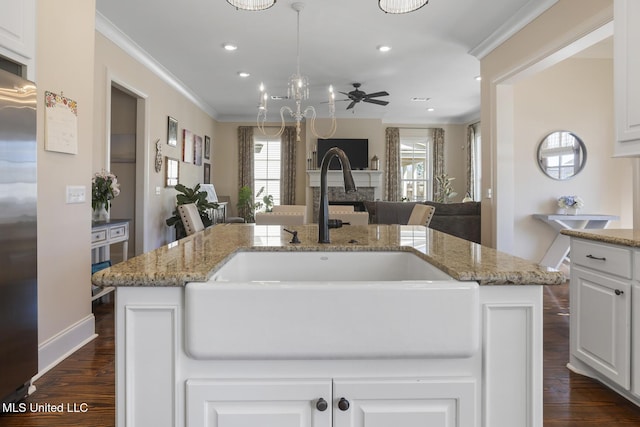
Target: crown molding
[522,18]
[120,39]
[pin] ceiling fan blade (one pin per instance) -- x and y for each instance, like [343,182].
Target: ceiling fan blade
[376,101]
[353,103]
[376,94]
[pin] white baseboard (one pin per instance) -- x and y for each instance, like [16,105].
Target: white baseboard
[66,342]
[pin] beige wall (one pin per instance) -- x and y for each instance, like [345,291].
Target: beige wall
[65,32]
[160,101]
[531,48]
[574,95]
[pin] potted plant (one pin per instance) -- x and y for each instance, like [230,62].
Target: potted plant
[246,205]
[185,196]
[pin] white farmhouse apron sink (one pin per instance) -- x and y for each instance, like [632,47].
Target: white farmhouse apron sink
[328,305]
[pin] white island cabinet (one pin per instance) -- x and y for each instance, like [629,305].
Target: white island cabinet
[627,77]
[605,309]
[453,338]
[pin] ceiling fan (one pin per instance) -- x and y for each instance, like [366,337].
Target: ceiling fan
[356,95]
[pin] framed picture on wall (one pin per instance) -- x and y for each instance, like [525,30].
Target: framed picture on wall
[172,132]
[172,172]
[207,147]
[187,146]
[197,150]
[207,174]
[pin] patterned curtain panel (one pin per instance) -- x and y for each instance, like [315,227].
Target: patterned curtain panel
[471,159]
[392,164]
[288,167]
[245,160]
[438,157]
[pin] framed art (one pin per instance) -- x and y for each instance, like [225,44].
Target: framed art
[207,147]
[207,174]
[197,150]
[172,172]
[187,146]
[172,132]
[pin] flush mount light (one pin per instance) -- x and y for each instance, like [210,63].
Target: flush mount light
[230,47]
[252,4]
[384,48]
[243,74]
[401,6]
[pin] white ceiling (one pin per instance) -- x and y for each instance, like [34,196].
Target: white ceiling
[434,53]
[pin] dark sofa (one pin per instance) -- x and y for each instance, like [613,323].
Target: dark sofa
[458,219]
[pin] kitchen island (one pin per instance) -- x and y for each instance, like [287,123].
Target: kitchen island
[496,381]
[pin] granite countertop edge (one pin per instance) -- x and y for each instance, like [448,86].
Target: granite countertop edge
[197,257]
[615,236]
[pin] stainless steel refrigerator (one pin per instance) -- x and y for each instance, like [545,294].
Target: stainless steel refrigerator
[18,237]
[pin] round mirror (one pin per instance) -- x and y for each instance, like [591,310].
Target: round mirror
[561,155]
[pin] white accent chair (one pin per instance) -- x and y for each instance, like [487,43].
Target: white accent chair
[283,215]
[346,213]
[421,215]
[190,218]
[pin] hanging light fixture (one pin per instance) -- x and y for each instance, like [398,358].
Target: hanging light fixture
[252,4]
[298,91]
[401,6]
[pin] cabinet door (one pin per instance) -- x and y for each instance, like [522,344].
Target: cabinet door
[600,310]
[627,76]
[263,403]
[407,403]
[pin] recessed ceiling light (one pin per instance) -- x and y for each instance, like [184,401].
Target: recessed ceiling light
[478,78]
[384,48]
[243,74]
[430,109]
[419,99]
[230,47]
[278,97]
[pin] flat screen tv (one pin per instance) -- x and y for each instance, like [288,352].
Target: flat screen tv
[357,150]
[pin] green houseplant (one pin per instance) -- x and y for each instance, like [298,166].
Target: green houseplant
[185,196]
[247,207]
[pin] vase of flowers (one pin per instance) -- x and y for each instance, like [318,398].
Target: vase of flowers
[570,204]
[104,188]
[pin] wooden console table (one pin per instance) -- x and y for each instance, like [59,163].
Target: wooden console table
[103,235]
[559,249]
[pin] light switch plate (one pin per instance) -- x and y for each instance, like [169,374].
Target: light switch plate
[76,194]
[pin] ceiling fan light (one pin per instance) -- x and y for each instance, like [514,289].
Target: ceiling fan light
[252,4]
[401,6]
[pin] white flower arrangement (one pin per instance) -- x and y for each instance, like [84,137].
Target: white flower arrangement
[104,187]
[573,202]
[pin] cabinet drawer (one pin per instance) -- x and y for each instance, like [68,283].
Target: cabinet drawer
[602,257]
[116,232]
[98,236]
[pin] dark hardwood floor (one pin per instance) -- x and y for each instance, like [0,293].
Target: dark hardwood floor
[87,377]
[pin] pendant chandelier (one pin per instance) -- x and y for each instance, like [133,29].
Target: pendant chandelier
[298,90]
[401,6]
[252,4]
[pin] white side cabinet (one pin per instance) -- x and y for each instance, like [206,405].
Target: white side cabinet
[18,32]
[627,77]
[331,403]
[601,311]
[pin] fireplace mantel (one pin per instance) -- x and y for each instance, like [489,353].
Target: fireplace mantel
[363,178]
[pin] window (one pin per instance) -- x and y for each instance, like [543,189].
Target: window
[476,164]
[416,167]
[266,167]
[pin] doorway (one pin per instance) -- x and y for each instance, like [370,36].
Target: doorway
[126,111]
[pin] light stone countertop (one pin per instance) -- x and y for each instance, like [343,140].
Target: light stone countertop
[197,257]
[616,236]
